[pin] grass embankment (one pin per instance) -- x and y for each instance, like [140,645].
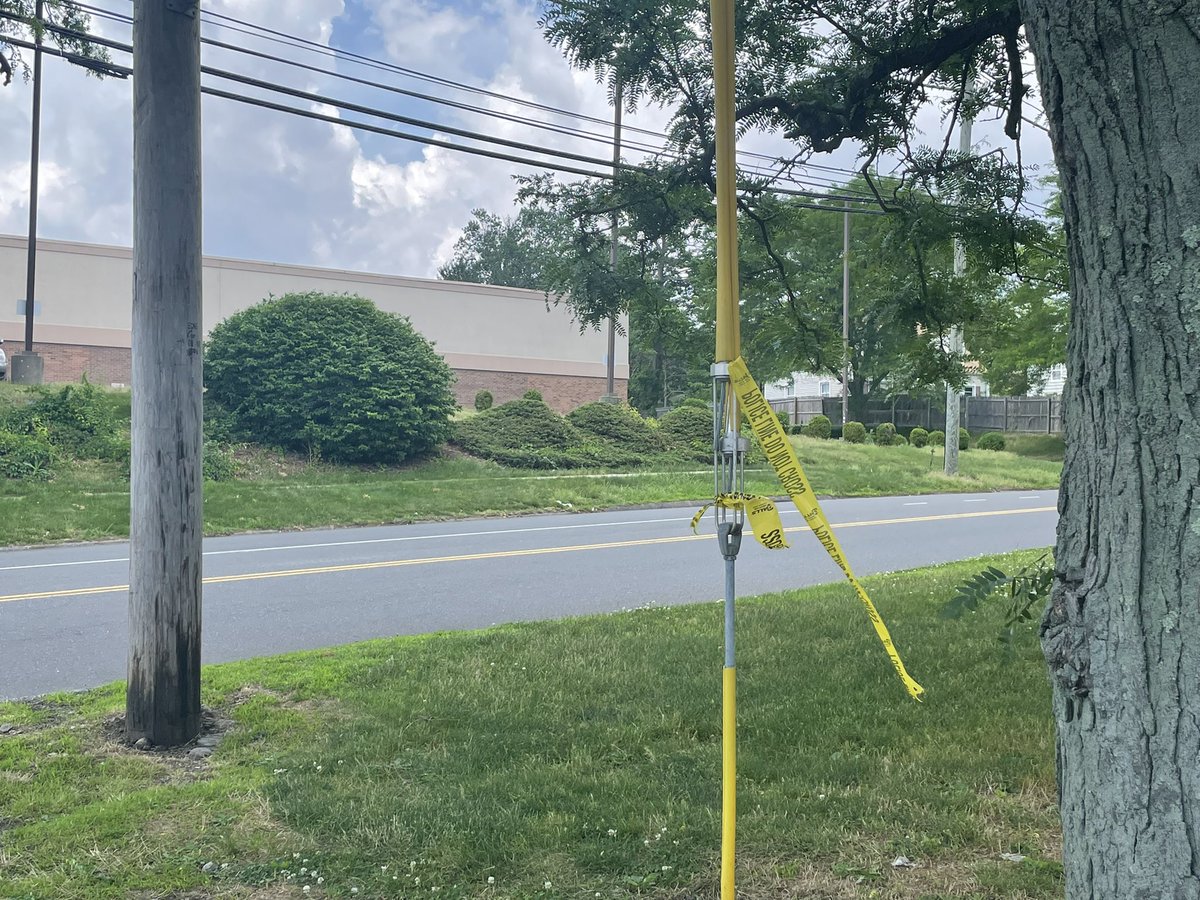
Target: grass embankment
[87,495]
[569,759]
[90,500]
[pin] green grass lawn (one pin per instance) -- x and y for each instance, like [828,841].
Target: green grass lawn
[570,759]
[90,500]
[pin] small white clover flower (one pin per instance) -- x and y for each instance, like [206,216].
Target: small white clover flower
[491,879]
[547,884]
[612,832]
[354,890]
[307,889]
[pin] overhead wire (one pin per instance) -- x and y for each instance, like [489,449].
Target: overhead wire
[390,132]
[821,182]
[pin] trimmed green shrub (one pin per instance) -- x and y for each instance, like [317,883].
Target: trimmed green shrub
[219,463]
[81,420]
[918,437]
[937,438]
[798,429]
[695,403]
[532,395]
[885,435]
[219,426]
[332,375]
[993,440]
[819,427]
[483,400]
[964,439]
[689,429]
[854,433]
[618,423]
[784,420]
[29,457]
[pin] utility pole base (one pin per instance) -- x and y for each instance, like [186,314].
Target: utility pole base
[26,367]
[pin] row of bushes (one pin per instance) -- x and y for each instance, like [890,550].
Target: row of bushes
[78,421]
[886,435]
[528,434]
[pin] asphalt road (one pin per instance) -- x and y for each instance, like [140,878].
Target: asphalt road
[63,608]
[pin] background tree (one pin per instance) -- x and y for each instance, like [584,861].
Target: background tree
[514,251]
[1122,631]
[1021,332]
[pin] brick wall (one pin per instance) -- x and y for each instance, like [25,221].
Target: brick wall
[561,392]
[70,362]
[111,365]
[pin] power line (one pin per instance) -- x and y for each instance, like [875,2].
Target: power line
[390,132]
[296,42]
[420,123]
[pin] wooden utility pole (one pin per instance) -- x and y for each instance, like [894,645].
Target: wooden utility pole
[610,393]
[845,317]
[163,699]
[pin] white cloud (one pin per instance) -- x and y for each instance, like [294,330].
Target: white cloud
[289,189]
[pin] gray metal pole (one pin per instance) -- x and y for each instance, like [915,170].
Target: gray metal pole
[611,388]
[956,340]
[34,156]
[845,317]
[163,696]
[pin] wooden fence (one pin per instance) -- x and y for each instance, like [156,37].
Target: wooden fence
[1032,415]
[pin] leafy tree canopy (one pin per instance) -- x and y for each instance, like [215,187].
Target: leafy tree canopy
[18,21]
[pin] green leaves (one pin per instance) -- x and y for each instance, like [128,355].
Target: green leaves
[331,375]
[1024,592]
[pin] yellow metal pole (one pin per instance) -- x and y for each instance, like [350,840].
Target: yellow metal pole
[727,452]
[728,327]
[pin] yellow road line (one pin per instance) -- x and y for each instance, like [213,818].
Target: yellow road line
[506,554]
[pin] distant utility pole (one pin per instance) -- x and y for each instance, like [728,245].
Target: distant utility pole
[956,339]
[845,317]
[27,365]
[163,697]
[610,394]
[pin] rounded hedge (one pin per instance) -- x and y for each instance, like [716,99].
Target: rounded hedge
[937,438]
[532,395]
[993,440]
[918,437]
[854,433]
[689,428]
[528,434]
[330,374]
[483,400]
[616,422]
[885,435]
[964,439]
[819,427]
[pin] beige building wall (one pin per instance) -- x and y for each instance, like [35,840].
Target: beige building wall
[501,339]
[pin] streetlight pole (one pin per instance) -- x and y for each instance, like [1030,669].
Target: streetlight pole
[950,466]
[610,394]
[27,365]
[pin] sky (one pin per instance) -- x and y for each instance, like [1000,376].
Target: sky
[284,189]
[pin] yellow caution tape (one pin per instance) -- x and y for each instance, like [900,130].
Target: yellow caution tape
[761,513]
[781,456]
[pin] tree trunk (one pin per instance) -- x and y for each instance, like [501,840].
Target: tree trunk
[1122,632]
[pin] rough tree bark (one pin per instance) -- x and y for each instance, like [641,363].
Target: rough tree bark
[1122,632]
